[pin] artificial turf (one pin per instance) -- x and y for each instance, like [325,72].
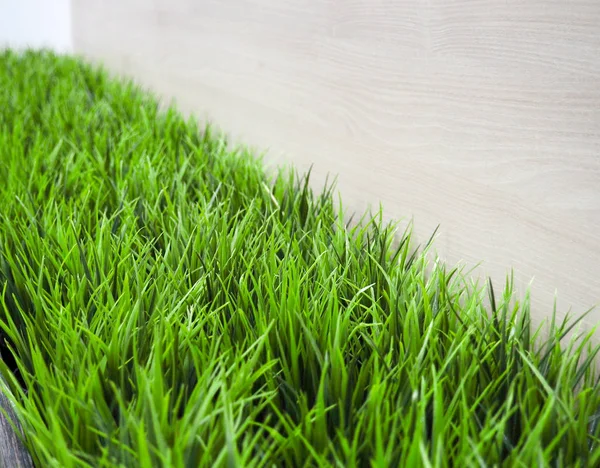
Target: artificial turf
[164,301]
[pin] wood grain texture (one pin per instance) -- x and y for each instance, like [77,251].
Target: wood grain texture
[482,116]
[12,452]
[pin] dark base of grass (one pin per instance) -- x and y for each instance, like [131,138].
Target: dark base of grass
[165,303]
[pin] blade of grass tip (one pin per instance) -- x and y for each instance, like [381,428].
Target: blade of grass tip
[555,340]
[82,257]
[429,243]
[117,219]
[587,363]
[411,259]
[374,347]
[507,296]
[503,348]
[311,339]
[401,245]
[271,196]
[485,365]
[551,341]
[549,390]
[492,298]
[350,221]
[525,324]
[213,198]
[573,324]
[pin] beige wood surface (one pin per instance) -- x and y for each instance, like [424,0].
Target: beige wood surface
[482,116]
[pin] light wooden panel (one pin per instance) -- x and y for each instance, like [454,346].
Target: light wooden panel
[479,115]
[36,23]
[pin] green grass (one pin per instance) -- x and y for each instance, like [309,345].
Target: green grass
[165,302]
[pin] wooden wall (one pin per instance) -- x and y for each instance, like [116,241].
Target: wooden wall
[479,115]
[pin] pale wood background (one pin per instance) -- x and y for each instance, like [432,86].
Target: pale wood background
[479,115]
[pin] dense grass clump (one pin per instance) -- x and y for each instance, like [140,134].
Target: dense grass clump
[163,302]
